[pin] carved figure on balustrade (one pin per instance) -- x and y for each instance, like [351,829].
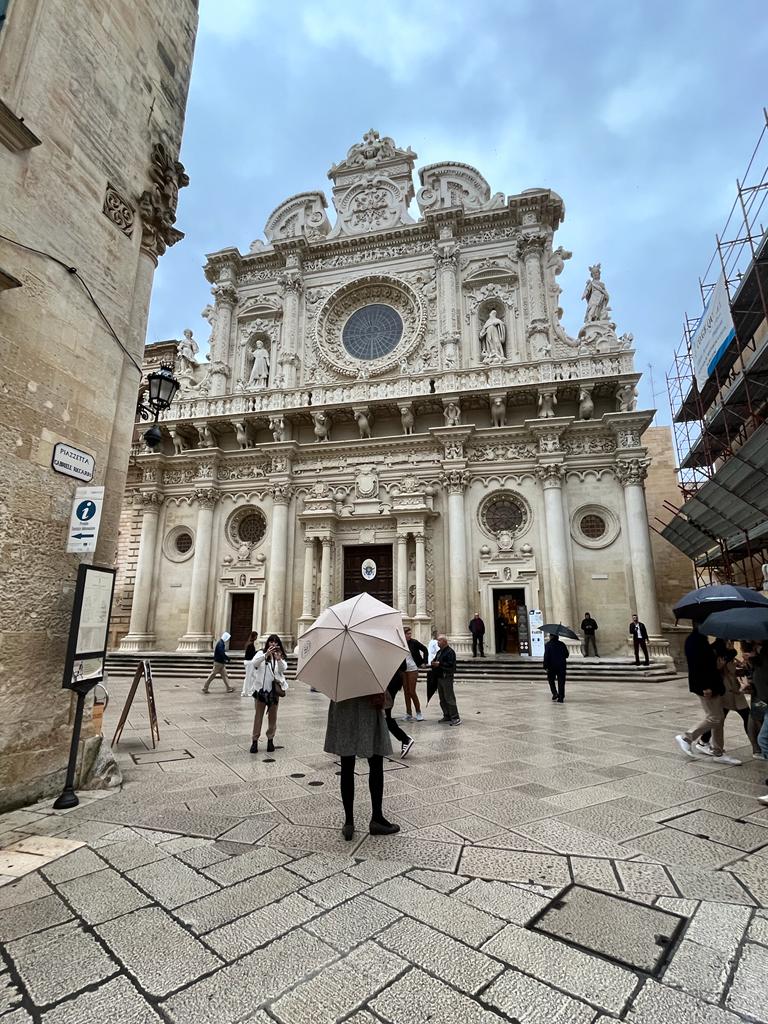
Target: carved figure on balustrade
[364,423]
[179,442]
[498,412]
[241,432]
[452,414]
[626,398]
[547,403]
[586,405]
[492,336]
[277,428]
[260,369]
[596,295]
[322,426]
[407,419]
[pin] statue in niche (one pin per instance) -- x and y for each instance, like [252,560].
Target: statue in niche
[364,423]
[260,369]
[186,350]
[407,419]
[452,414]
[626,398]
[597,297]
[492,337]
[586,405]
[322,426]
[547,403]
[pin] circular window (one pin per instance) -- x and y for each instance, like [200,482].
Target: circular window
[179,544]
[247,525]
[373,331]
[504,513]
[593,526]
[183,543]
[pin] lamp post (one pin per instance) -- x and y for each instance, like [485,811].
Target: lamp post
[161,388]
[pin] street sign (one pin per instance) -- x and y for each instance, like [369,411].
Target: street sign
[85,519]
[71,461]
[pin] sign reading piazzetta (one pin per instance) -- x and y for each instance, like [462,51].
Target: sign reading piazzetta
[713,335]
[72,462]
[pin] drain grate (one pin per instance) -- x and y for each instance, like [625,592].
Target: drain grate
[160,756]
[628,933]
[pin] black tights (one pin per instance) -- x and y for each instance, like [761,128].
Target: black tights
[375,784]
[743,713]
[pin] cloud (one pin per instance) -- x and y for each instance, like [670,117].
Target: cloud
[230,19]
[652,94]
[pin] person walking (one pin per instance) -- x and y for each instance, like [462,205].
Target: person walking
[250,654]
[416,657]
[501,635]
[444,664]
[639,635]
[589,628]
[268,685]
[705,681]
[555,657]
[393,688]
[220,659]
[477,629]
[732,671]
[358,728]
[757,665]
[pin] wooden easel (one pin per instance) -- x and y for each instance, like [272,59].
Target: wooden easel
[144,669]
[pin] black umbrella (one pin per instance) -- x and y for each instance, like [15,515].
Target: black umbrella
[717,598]
[431,684]
[559,630]
[737,624]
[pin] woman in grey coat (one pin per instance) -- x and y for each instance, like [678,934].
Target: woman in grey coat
[358,728]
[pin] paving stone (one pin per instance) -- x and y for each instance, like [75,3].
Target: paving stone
[612,819]
[566,838]
[507,809]
[419,999]
[102,895]
[650,878]
[58,962]
[749,989]
[329,892]
[32,917]
[440,880]
[729,804]
[452,961]
[661,792]
[171,883]
[459,920]
[253,829]
[318,866]
[685,908]
[50,847]
[158,952]
[669,846]
[658,1004]
[337,989]
[472,828]
[718,886]
[234,992]
[10,995]
[754,877]
[719,926]
[582,975]
[373,871]
[721,829]
[507,840]
[179,819]
[236,805]
[236,869]
[595,872]
[502,900]
[418,852]
[699,970]
[261,927]
[350,924]
[134,853]
[116,1002]
[530,1002]
[758,930]
[237,900]
[23,890]
[201,856]
[17,1017]
[317,840]
[510,866]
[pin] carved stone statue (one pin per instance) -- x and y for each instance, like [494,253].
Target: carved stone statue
[547,403]
[626,340]
[597,297]
[586,405]
[260,370]
[322,424]
[404,367]
[186,350]
[277,426]
[241,432]
[498,412]
[179,442]
[452,414]
[626,398]
[407,419]
[364,422]
[492,337]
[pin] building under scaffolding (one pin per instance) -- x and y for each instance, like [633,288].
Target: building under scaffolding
[719,405]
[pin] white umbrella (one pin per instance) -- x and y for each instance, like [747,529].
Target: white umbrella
[352,649]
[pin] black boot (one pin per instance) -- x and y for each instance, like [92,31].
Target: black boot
[270,747]
[348,830]
[383,828]
[255,747]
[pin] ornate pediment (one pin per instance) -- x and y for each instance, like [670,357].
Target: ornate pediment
[302,215]
[260,307]
[455,186]
[373,186]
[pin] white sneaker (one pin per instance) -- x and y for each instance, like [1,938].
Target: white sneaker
[763,799]
[759,757]
[704,748]
[419,716]
[406,747]
[684,745]
[407,718]
[725,759]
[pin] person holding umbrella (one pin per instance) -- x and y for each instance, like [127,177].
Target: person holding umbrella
[705,681]
[555,658]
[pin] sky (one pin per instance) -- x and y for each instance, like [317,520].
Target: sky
[640,114]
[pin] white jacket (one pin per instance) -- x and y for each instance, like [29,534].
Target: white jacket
[259,673]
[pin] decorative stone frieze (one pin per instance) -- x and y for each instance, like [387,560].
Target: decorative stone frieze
[118,210]
[157,204]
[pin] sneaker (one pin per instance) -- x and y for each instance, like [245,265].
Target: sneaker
[758,756]
[725,759]
[255,747]
[704,748]
[419,716]
[455,721]
[763,799]
[554,696]
[406,747]
[684,745]
[444,719]
[407,718]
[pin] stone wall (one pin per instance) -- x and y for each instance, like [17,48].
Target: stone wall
[99,86]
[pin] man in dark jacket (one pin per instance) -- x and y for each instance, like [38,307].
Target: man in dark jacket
[220,659]
[555,657]
[705,681]
[589,628]
[444,665]
[477,629]
[639,635]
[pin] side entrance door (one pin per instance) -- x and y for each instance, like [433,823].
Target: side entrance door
[240,621]
[380,586]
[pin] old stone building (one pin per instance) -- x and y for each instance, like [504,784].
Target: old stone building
[92,102]
[391,403]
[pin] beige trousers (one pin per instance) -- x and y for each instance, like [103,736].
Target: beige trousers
[217,670]
[713,722]
[258,720]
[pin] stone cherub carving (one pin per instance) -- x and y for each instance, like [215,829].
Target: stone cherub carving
[498,412]
[322,428]
[492,336]
[547,403]
[364,422]
[260,370]
[626,398]
[452,414]
[597,297]
[186,350]
[277,426]
[407,419]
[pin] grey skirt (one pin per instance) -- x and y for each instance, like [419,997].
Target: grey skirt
[356,728]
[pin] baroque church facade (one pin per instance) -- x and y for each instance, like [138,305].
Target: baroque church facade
[391,403]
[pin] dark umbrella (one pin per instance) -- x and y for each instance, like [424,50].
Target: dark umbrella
[717,598]
[559,630]
[431,685]
[737,624]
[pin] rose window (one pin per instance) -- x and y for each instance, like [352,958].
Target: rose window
[504,513]
[373,331]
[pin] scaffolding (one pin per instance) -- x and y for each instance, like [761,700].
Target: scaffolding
[714,420]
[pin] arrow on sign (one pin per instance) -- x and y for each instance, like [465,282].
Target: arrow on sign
[81,536]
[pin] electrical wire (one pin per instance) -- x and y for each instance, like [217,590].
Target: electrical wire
[73,272]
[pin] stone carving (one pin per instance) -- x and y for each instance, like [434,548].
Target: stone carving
[455,185]
[452,414]
[586,405]
[366,482]
[505,541]
[157,204]
[628,438]
[453,449]
[541,346]
[322,426]
[498,411]
[209,314]
[374,254]
[247,469]
[407,418]
[503,452]
[186,350]
[260,369]
[373,205]
[551,475]
[207,497]
[547,403]
[277,428]
[626,341]
[242,432]
[364,422]
[632,471]
[302,215]
[764,570]
[492,336]
[454,481]
[596,295]
[207,438]
[594,445]
[179,441]
[119,210]
[626,398]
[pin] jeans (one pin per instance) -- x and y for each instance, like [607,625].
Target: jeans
[713,722]
[447,696]
[394,728]
[589,638]
[640,645]
[559,675]
[762,737]
[477,641]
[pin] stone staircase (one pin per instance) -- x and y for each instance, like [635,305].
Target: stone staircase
[172,665]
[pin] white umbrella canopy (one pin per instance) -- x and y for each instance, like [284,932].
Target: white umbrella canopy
[352,649]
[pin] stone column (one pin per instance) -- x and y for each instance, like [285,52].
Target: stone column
[402,573]
[309,572]
[632,473]
[293,287]
[421,576]
[138,638]
[196,638]
[531,248]
[226,300]
[325,573]
[551,477]
[455,483]
[278,559]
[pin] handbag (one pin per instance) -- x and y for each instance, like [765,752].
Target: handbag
[277,687]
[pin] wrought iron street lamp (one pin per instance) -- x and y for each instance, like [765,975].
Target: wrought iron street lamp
[161,388]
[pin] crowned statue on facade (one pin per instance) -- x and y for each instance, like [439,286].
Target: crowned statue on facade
[597,297]
[260,369]
[492,336]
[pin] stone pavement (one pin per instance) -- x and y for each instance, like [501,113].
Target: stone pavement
[557,865]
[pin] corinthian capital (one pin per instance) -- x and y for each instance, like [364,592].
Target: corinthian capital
[454,481]
[150,501]
[551,475]
[291,281]
[532,244]
[224,293]
[281,494]
[632,471]
[206,497]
